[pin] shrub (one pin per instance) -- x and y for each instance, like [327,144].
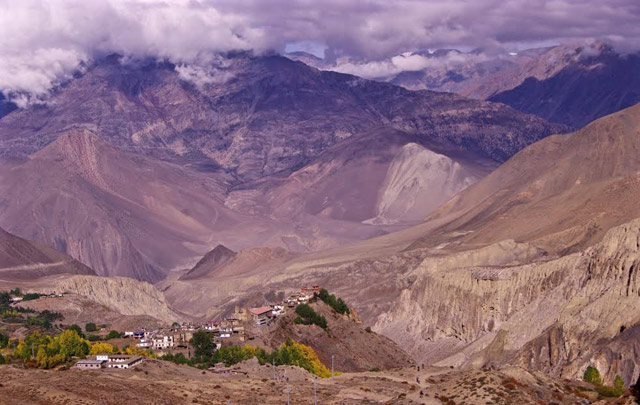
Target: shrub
[44,319]
[609,391]
[618,384]
[235,354]
[30,296]
[5,298]
[615,391]
[91,327]
[592,375]
[113,334]
[178,358]
[17,292]
[4,341]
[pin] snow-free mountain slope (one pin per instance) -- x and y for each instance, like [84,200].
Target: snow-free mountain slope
[141,167]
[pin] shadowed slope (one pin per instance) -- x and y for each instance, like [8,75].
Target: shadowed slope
[561,193]
[210,262]
[21,259]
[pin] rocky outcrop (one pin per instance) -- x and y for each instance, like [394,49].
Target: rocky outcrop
[353,347]
[557,315]
[124,295]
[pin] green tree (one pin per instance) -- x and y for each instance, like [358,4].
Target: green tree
[337,304]
[5,298]
[592,375]
[113,334]
[203,346]
[91,327]
[28,347]
[76,328]
[4,341]
[308,316]
[618,385]
[17,292]
[30,296]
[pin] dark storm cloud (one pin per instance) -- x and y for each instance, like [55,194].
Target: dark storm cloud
[44,40]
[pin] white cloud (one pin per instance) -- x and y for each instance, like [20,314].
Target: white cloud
[406,62]
[44,40]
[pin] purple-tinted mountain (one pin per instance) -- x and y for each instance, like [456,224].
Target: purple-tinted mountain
[256,116]
[21,259]
[138,169]
[589,88]
[567,84]
[6,106]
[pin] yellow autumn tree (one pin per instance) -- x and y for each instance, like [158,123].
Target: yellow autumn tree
[47,352]
[100,348]
[138,351]
[298,354]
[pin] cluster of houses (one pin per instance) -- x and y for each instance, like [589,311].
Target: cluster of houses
[267,314]
[230,329]
[162,340]
[109,361]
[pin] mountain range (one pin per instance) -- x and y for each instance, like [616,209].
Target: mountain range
[141,168]
[472,234]
[538,270]
[571,84]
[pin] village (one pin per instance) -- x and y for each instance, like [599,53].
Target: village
[243,325]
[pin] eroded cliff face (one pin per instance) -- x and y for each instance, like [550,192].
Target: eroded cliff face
[476,308]
[124,295]
[419,180]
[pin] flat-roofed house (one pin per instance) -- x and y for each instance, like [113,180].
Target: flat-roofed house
[90,364]
[261,315]
[161,342]
[123,361]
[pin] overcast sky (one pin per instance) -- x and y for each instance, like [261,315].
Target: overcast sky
[43,41]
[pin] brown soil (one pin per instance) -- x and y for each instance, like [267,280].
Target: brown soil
[156,382]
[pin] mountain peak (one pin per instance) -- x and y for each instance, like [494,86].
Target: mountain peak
[213,260]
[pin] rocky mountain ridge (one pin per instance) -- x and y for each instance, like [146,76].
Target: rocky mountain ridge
[572,84]
[157,168]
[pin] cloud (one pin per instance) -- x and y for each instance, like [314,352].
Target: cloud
[43,41]
[406,62]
